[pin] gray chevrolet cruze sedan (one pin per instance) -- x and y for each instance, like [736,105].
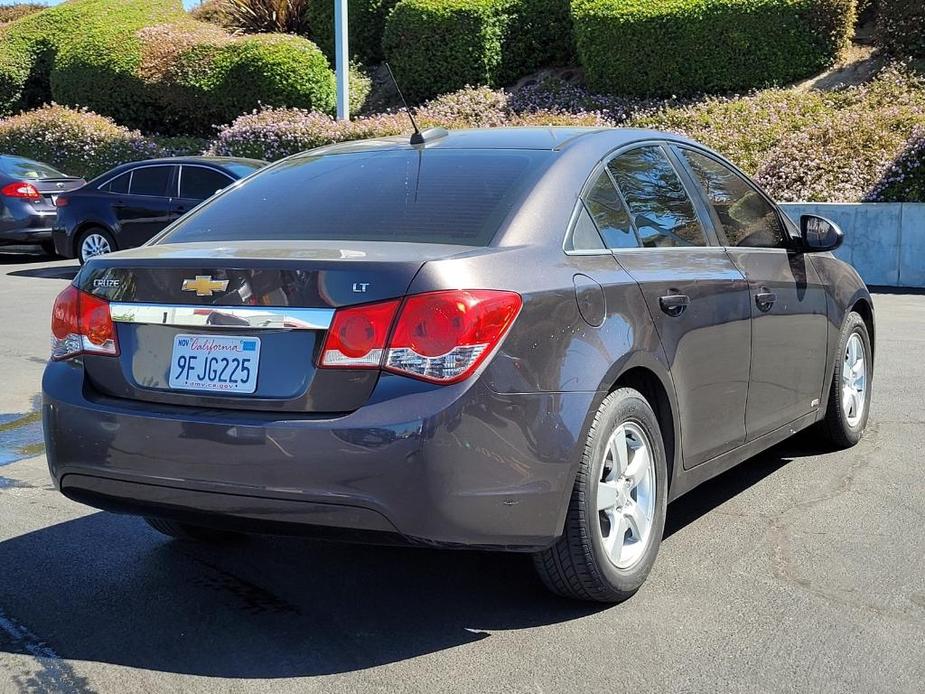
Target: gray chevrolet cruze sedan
[518,339]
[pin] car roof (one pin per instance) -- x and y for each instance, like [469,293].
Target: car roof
[198,159]
[554,138]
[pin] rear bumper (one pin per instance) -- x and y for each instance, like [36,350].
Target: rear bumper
[459,465]
[26,235]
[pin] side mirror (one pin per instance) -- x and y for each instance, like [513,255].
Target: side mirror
[820,234]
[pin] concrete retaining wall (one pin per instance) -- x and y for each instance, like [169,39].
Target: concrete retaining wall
[884,241]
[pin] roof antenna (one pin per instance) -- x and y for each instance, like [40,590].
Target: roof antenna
[417,137]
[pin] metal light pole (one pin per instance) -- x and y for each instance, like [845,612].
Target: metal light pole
[341,60]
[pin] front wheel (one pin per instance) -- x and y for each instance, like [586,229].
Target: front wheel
[849,397]
[616,515]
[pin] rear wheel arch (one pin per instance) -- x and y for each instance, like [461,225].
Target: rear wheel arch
[656,392]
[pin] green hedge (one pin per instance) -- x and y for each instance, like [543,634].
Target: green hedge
[202,77]
[689,46]
[437,46]
[540,35]
[366,19]
[150,66]
[901,27]
[96,35]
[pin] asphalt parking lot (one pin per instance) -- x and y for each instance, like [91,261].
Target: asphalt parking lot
[801,570]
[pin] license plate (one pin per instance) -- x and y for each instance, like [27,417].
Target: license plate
[215,363]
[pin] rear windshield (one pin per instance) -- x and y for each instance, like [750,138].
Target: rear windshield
[432,196]
[28,169]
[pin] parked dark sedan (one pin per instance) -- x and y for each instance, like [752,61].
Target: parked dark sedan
[519,339]
[28,190]
[125,207]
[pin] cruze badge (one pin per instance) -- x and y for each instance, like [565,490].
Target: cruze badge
[204,285]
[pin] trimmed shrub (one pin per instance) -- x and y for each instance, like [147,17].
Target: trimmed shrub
[540,35]
[690,46]
[904,178]
[438,46]
[10,13]
[202,75]
[90,40]
[367,25]
[149,66]
[77,142]
[901,28]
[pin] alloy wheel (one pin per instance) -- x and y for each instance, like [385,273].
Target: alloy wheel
[626,495]
[93,245]
[854,380]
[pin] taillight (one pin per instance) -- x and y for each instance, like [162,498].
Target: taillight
[440,337]
[81,324]
[22,191]
[356,338]
[62,201]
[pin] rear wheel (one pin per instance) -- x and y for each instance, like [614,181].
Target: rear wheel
[617,511]
[93,242]
[187,531]
[849,396]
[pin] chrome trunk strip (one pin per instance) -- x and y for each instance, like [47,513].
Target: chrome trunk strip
[249,317]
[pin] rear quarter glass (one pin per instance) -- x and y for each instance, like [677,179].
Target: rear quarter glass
[426,196]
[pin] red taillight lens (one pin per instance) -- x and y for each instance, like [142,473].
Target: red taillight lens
[21,190]
[443,336]
[62,201]
[440,337]
[81,324]
[357,335]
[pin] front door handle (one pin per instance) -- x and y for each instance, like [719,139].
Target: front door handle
[674,304]
[765,299]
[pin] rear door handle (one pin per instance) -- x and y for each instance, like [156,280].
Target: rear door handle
[674,304]
[765,299]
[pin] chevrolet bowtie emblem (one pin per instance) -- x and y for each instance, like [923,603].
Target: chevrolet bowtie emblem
[204,285]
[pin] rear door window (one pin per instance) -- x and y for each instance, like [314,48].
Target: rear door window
[151,180]
[658,203]
[609,214]
[436,195]
[746,218]
[199,183]
[120,184]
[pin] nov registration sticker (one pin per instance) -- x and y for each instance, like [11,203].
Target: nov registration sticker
[215,363]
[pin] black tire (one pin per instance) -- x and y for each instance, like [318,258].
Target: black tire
[48,248]
[577,565]
[100,231]
[186,531]
[837,425]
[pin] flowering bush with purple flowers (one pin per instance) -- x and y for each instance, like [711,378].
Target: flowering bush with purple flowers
[904,178]
[75,141]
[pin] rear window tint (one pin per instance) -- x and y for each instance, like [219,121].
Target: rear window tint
[28,169]
[431,196]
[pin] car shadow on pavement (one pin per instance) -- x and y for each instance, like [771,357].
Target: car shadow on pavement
[106,588]
[58,272]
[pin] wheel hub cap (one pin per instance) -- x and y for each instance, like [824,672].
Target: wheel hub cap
[94,244]
[626,495]
[854,381]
